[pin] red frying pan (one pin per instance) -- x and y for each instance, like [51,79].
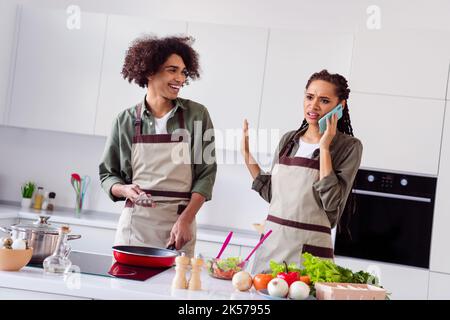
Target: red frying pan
[145,256]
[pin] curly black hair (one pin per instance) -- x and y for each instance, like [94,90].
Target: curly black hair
[147,54]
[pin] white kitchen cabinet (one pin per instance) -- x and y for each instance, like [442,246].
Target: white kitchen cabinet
[210,249]
[439,288]
[116,94]
[93,239]
[17,294]
[398,133]
[57,71]
[292,57]
[8,18]
[404,283]
[439,257]
[409,63]
[232,63]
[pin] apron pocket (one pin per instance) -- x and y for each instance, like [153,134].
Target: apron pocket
[322,252]
[181,208]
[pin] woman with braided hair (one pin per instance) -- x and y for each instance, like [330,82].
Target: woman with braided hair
[311,177]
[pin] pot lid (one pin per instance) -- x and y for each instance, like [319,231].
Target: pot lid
[40,226]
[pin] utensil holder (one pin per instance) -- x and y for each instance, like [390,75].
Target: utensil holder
[78,205]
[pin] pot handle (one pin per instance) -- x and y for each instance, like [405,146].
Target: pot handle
[73,236]
[6,229]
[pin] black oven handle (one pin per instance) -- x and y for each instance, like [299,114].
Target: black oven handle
[391,195]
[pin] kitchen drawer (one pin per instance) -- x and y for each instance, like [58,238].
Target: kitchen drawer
[210,249]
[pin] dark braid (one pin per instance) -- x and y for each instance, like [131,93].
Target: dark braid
[344,125]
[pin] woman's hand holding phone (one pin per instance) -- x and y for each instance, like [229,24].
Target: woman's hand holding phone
[329,133]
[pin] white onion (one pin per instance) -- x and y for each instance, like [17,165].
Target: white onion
[278,287]
[298,290]
[242,281]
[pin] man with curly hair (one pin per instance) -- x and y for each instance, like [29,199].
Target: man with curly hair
[152,152]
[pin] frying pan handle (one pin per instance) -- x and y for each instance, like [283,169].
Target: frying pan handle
[172,247]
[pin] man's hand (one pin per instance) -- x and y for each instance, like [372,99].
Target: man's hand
[180,234]
[129,191]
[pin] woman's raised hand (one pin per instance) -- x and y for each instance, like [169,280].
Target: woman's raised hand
[245,149]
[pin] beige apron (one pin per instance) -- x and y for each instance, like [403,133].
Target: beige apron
[162,168]
[297,221]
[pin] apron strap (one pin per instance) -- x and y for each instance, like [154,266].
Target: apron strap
[138,121]
[180,119]
[299,225]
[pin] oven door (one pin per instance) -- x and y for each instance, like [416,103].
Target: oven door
[387,227]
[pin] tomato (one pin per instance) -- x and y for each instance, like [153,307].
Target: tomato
[261,280]
[305,279]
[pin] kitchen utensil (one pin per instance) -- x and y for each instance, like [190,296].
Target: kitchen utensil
[75,180]
[144,200]
[40,235]
[85,182]
[227,240]
[256,247]
[14,260]
[144,256]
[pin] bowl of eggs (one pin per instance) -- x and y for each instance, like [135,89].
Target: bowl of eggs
[14,254]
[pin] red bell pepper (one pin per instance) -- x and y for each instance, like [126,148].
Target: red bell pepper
[289,277]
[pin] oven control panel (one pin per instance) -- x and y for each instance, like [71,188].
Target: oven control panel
[397,183]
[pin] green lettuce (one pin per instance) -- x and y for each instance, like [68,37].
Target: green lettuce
[324,270]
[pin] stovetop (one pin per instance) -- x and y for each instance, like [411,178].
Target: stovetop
[105,266]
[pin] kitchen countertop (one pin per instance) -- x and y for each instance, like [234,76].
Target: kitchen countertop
[99,287]
[108,220]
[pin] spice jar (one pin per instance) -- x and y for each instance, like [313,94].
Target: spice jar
[38,198]
[49,202]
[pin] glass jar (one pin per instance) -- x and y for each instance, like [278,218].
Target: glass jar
[38,198]
[58,262]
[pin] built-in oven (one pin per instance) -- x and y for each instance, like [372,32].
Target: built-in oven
[392,221]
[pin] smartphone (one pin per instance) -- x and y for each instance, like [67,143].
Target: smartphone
[323,120]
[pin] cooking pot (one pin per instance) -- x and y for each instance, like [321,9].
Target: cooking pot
[40,235]
[145,256]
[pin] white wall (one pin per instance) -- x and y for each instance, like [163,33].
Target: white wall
[50,158]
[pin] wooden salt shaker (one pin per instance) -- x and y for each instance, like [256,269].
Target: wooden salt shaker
[195,282]
[182,262]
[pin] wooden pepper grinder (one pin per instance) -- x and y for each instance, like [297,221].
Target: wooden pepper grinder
[195,282]
[182,262]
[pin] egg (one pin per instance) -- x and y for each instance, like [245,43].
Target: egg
[19,244]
